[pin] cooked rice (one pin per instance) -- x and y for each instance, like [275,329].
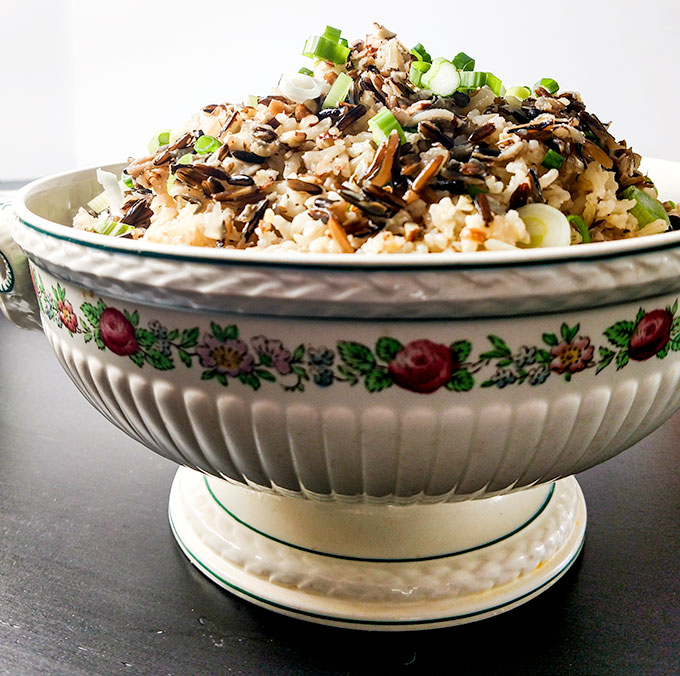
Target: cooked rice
[310,190]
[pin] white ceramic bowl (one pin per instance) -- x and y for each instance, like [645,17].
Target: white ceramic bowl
[393,379]
[396,378]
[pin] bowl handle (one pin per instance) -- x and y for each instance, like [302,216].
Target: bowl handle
[17,297]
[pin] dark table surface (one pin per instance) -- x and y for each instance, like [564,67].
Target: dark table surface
[92,582]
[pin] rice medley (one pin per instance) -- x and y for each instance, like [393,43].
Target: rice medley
[279,175]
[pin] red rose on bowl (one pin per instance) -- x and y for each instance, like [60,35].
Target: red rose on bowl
[422,366]
[651,335]
[117,333]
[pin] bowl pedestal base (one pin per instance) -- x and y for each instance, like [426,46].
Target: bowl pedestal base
[378,566]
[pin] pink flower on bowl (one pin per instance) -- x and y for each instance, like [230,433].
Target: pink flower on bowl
[68,317]
[117,333]
[571,357]
[230,357]
[274,352]
[422,366]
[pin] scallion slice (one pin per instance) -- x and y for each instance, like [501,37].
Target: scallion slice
[383,124]
[547,83]
[442,78]
[417,70]
[472,79]
[160,138]
[319,47]
[343,42]
[206,145]
[646,209]
[112,228]
[553,160]
[463,62]
[112,190]
[494,84]
[127,181]
[99,203]
[581,226]
[421,53]
[520,93]
[186,158]
[338,91]
[332,33]
[546,225]
[252,101]
[299,87]
[306,71]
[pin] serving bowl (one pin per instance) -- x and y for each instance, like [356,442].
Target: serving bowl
[378,442]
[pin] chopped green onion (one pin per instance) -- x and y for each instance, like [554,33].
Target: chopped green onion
[186,158]
[252,100]
[473,190]
[332,33]
[442,78]
[338,91]
[472,79]
[463,62]
[421,53]
[546,225]
[581,226]
[553,160]
[520,93]
[417,70]
[99,203]
[127,180]
[306,71]
[494,84]
[299,87]
[160,138]
[646,209]
[206,145]
[547,83]
[650,184]
[113,228]
[318,47]
[343,42]
[383,124]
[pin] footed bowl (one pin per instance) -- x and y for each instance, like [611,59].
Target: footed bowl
[374,442]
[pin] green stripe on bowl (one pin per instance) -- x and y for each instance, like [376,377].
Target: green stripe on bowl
[415,559]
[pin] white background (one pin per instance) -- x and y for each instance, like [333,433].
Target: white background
[87,82]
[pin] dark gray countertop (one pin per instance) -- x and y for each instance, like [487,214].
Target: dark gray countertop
[92,582]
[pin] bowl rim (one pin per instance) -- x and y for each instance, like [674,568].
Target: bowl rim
[597,251]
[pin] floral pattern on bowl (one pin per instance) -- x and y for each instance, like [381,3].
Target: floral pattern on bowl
[422,366]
